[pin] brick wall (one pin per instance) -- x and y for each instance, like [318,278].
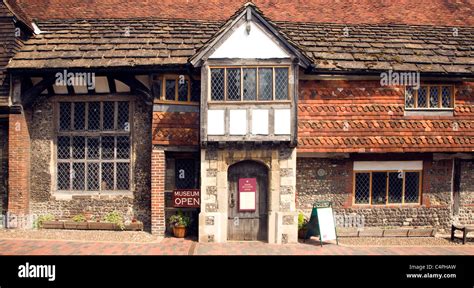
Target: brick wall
[334,182]
[18,164]
[3,165]
[158,192]
[466,208]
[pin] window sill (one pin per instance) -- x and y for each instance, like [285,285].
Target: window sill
[429,112]
[368,206]
[78,195]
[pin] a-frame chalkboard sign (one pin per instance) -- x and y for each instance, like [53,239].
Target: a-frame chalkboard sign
[322,222]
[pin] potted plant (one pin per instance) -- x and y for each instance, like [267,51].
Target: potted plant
[302,226]
[179,222]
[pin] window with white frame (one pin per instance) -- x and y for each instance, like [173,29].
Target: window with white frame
[429,97]
[93,146]
[249,83]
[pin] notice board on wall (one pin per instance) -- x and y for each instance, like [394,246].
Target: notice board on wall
[322,222]
[247,194]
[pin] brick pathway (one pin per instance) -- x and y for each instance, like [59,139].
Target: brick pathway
[174,246]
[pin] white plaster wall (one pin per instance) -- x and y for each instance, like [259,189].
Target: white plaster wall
[215,122]
[260,121]
[238,122]
[282,122]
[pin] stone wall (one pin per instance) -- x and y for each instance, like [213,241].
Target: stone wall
[466,208]
[281,163]
[332,180]
[43,198]
[3,165]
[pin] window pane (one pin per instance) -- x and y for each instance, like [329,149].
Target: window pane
[434,97]
[409,98]
[109,117]
[195,91]
[94,116]
[107,176]
[78,176]
[123,147]
[265,83]
[217,84]
[64,116]
[123,117]
[123,176]
[395,187]
[78,147]
[170,90]
[64,176]
[362,188]
[184,174]
[93,148]
[107,147]
[157,88]
[281,83]
[79,115]
[446,95]
[93,176]
[250,84]
[233,84]
[64,151]
[422,103]
[379,188]
[183,90]
[412,187]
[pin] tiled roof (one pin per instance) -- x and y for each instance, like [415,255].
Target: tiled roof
[103,43]
[429,12]
[15,9]
[175,128]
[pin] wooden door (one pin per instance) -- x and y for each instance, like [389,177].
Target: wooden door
[248,225]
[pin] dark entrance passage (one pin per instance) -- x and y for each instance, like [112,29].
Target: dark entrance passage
[247,217]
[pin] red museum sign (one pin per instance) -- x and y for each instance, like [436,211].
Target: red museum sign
[186,198]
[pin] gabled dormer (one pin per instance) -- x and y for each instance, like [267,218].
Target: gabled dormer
[249,73]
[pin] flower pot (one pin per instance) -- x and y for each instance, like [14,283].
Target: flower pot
[179,231]
[302,233]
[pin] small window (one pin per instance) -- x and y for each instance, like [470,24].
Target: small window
[175,88]
[185,174]
[250,84]
[429,97]
[387,187]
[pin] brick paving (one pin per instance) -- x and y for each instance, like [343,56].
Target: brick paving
[174,246]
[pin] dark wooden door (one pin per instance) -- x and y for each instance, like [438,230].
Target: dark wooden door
[248,225]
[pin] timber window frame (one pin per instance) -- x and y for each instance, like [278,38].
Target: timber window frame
[226,94]
[180,92]
[430,97]
[97,158]
[406,191]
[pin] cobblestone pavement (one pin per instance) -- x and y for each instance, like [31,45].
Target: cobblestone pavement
[175,246]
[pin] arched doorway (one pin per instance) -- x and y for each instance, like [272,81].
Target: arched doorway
[248,201]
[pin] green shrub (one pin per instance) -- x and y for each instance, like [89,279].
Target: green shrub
[179,219]
[302,221]
[116,218]
[79,218]
[38,223]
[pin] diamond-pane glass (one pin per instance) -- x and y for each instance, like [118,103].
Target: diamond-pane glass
[93,176]
[108,116]
[93,121]
[79,116]
[78,147]
[78,176]
[93,145]
[170,89]
[395,187]
[64,151]
[379,188]
[265,83]
[123,176]
[63,176]
[123,147]
[412,187]
[422,103]
[446,95]
[183,86]
[64,116]
[434,97]
[123,116]
[281,83]
[217,84]
[107,176]
[233,84]
[250,84]
[362,188]
[185,174]
[410,98]
[108,147]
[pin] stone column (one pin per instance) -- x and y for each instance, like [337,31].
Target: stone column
[158,192]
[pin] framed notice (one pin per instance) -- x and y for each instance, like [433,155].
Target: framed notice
[247,194]
[326,224]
